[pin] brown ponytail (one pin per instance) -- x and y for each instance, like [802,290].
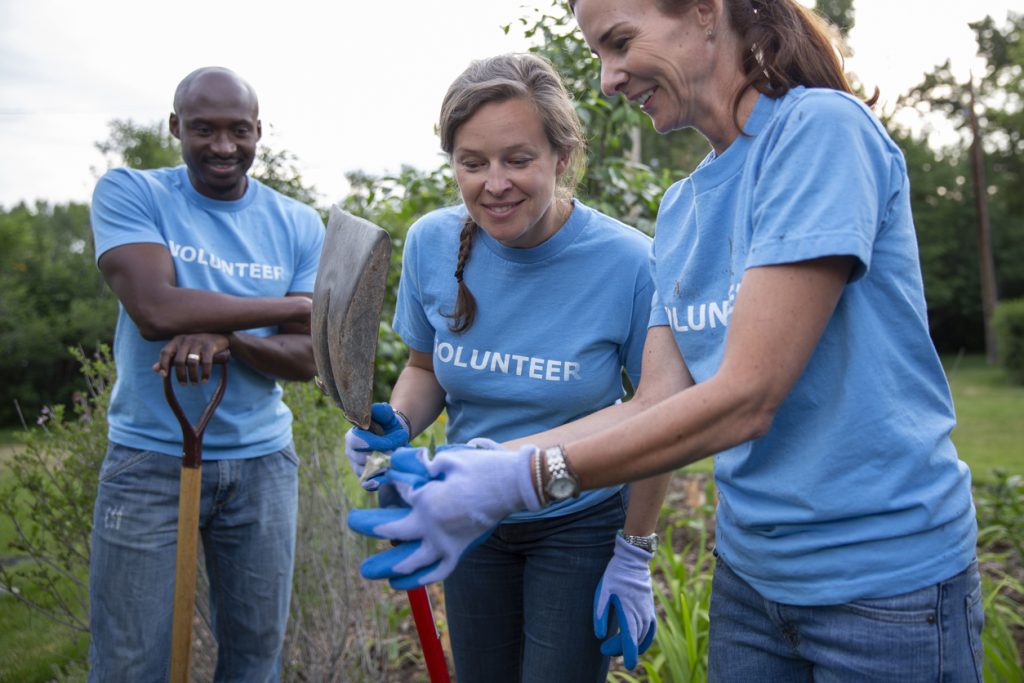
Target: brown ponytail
[465,304]
[791,46]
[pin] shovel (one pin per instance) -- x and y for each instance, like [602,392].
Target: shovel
[347,301]
[188,520]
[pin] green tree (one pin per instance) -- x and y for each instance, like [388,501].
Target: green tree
[953,290]
[839,13]
[139,145]
[53,299]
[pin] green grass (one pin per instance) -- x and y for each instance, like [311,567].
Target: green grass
[31,645]
[990,416]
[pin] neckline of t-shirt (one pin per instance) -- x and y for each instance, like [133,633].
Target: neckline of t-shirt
[208,203]
[560,240]
[715,169]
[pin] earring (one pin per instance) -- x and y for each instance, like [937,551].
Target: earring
[710,33]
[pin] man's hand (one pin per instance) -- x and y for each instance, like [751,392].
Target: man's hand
[191,355]
[455,501]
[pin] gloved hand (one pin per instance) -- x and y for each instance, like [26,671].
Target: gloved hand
[626,587]
[456,499]
[360,443]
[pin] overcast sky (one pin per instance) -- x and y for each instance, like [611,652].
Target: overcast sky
[343,85]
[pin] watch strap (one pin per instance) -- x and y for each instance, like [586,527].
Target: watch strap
[648,543]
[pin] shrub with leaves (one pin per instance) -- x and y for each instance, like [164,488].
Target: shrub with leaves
[48,496]
[1009,326]
[1001,557]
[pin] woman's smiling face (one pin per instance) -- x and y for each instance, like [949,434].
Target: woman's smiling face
[659,61]
[507,172]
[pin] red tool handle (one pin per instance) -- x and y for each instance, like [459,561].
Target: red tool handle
[192,435]
[433,652]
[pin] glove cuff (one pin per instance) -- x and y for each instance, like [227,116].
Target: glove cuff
[632,555]
[403,419]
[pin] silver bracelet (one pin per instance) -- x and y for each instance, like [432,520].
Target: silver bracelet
[537,474]
[403,419]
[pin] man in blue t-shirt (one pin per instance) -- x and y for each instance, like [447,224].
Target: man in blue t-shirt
[203,259]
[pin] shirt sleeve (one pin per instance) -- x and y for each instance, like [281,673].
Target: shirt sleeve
[410,321]
[633,349]
[658,316]
[121,213]
[823,186]
[308,259]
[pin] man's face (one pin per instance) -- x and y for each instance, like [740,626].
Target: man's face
[218,126]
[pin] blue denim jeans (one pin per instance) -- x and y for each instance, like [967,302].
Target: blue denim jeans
[931,634]
[247,526]
[519,606]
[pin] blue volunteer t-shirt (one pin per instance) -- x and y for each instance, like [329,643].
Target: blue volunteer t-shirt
[555,325]
[261,245]
[856,491]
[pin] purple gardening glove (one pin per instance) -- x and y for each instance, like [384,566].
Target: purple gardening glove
[455,501]
[626,587]
[360,443]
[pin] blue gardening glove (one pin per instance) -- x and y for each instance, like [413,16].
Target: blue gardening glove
[626,587]
[360,443]
[455,501]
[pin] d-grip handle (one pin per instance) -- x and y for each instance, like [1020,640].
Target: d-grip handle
[192,435]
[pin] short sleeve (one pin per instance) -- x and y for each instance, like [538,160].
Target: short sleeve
[308,255]
[823,186]
[410,321]
[658,316]
[121,212]
[633,350]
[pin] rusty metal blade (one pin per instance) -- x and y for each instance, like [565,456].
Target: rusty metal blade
[347,301]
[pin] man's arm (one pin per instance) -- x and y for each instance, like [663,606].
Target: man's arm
[203,322]
[142,278]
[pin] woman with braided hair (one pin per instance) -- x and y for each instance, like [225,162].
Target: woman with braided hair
[521,308]
[789,304]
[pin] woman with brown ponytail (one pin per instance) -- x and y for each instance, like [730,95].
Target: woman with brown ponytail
[789,303]
[521,308]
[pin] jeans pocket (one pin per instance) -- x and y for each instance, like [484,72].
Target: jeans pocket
[975,624]
[289,453]
[120,459]
[908,608]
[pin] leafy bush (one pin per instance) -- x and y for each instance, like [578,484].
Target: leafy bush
[1009,325]
[1001,557]
[340,627]
[49,494]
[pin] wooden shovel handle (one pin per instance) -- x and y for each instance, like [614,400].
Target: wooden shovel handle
[189,492]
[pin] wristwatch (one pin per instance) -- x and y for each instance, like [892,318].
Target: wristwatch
[562,482]
[648,543]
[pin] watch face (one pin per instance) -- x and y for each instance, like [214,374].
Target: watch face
[560,489]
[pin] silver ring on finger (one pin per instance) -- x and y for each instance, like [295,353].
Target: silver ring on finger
[192,356]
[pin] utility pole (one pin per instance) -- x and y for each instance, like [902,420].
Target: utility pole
[987,270]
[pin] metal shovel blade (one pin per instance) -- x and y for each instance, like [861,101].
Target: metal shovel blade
[347,301]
